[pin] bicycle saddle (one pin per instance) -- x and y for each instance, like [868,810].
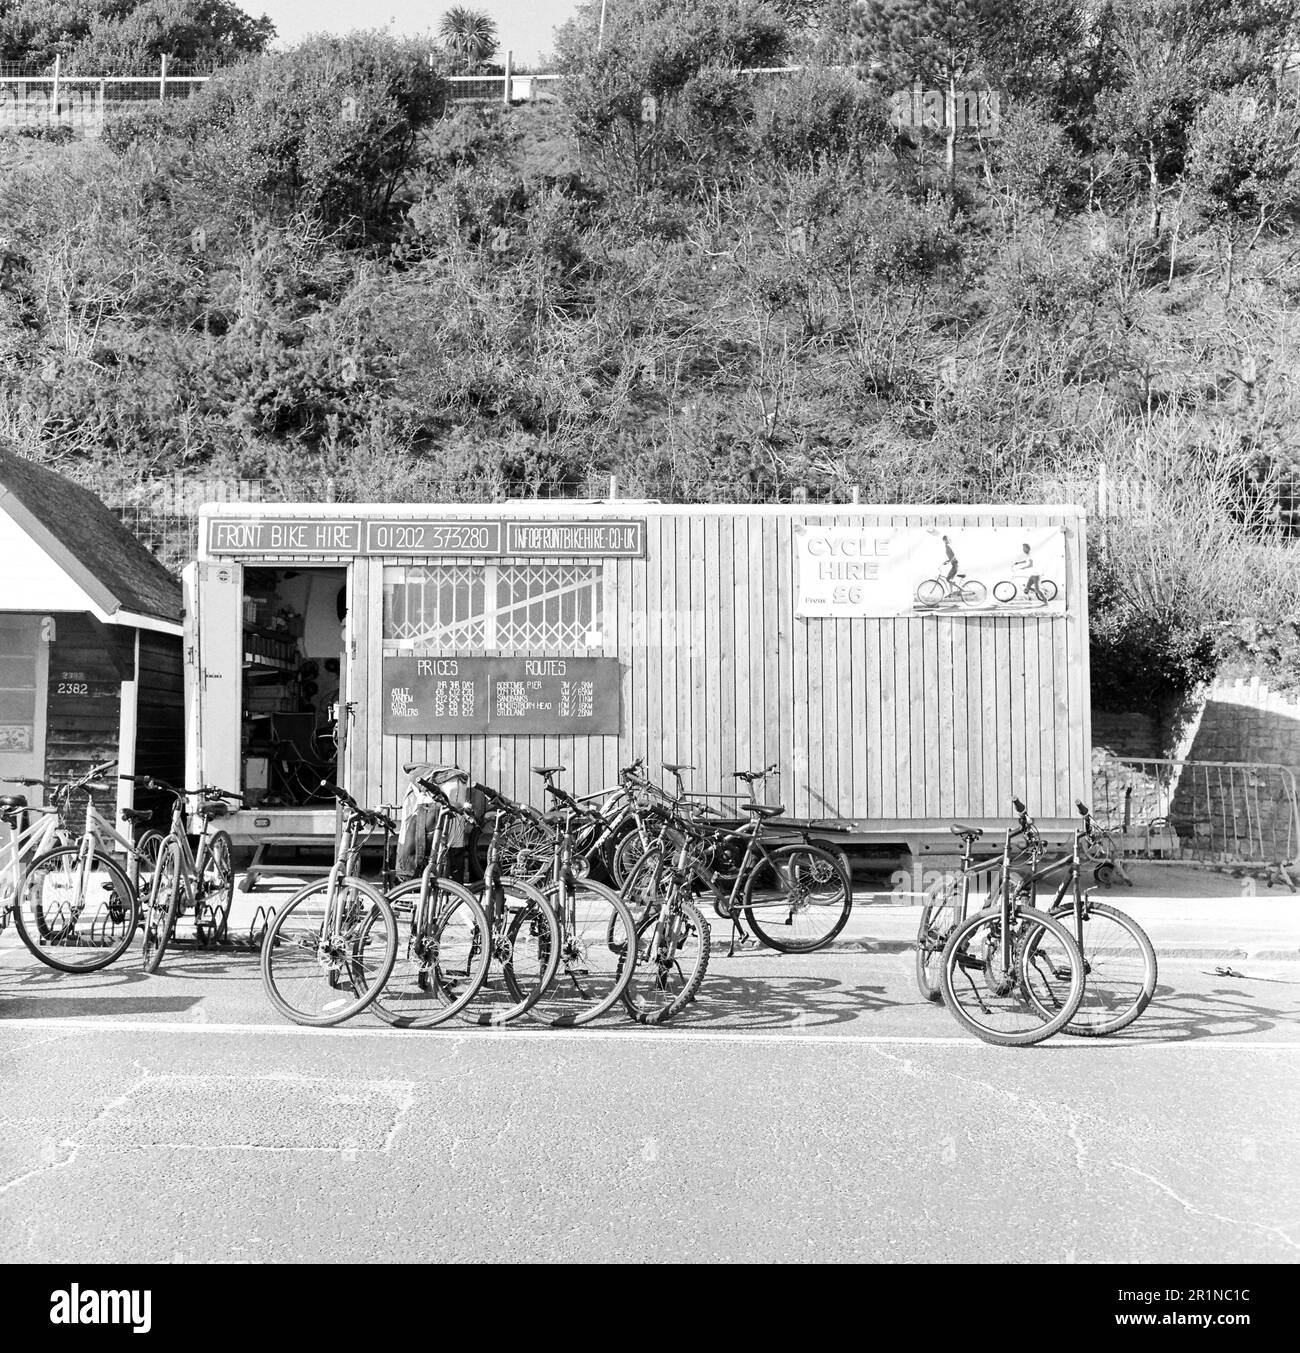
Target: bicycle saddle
[764,809]
[549,770]
[212,808]
[973,832]
[136,815]
[12,801]
[673,769]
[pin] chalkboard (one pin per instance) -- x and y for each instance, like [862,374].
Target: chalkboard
[430,696]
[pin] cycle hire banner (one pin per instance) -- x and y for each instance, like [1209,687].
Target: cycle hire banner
[846,571]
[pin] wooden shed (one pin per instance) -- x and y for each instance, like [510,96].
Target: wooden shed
[904,666]
[90,638]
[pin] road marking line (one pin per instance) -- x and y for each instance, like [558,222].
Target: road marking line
[677,1036]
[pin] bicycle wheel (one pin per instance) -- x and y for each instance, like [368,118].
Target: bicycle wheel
[932,591]
[1048,588]
[973,592]
[797,899]
[322,966]
[163,906]
[625,851]
[1119,968]
[672,958]
[525,850]
[76,919]
[148,847]
[216,887]
[597,955]
[939,914]
[1011,1004]
[1004,591]
[442,955]
[526,950]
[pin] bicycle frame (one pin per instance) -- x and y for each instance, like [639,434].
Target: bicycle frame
[23,846]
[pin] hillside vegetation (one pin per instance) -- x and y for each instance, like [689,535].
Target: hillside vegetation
[718,286]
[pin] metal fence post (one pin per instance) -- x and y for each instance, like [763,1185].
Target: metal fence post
[505,89]
[54,93]
[162,79]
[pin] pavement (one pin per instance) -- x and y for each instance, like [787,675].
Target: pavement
[1187,913]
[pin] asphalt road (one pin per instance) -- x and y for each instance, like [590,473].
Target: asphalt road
[810,1108]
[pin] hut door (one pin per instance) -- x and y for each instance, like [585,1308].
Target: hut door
[214,636]
[24,658]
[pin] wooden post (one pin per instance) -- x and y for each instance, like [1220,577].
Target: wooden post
[505,89]
[54,94]
[613,486]
[162,78]
[855,494]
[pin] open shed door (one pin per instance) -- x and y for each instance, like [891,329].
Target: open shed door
[214,657]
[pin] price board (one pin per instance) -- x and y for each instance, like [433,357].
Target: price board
[448,696]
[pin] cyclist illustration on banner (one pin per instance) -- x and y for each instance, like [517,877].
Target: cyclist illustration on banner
[871,570]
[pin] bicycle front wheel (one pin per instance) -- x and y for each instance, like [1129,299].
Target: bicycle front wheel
[328,952]
[973,593]
[526,950]
[75,914]
[163,906]
[939,914]
[443,952]
[216,887]
[1119,966]
[1009,1000]
[672,958]
[597,954]
[797,899]
[1048,589]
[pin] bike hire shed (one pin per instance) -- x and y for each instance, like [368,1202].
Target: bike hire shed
[90,639]
[505,636]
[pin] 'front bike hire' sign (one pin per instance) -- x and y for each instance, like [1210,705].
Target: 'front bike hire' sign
[846,571]
[432,696]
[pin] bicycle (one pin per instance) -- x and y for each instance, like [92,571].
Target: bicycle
[597,941]
[27,840]
[201,882]
[934,591]
[79,899]
[947,904]
[443,955]
[329,950]
[1119,962]
[1011,975]
[1007,590]
[673,939]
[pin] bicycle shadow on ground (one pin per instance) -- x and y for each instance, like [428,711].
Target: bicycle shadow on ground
[765,1003]
[1223,1012]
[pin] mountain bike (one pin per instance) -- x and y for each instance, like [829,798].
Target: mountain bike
[597,941]
[969,591]
[1119,962]
[672,936]
[444,942]
[329,950]
[77,902]
[201,883]
[1011,975]
[947,904]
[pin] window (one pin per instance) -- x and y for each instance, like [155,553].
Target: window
[537,608]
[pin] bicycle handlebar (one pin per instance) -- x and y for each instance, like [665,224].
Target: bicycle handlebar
[361,814]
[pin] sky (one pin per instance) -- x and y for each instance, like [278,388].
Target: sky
[524,26]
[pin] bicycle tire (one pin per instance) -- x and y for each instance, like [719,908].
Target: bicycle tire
[216,888]
[294,967]
[973,592]
[1119,977]
[603,932]
[148,847]
[1004,591]
[425,987]
[49,930]
[628,843]
[816,888]
[969,950]
[653,996]
[159,916]
[938,917]
[932,591]
[1048,588]
[532,955]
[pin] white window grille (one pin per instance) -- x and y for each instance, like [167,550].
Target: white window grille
[536,608]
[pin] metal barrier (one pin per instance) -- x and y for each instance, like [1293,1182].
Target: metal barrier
[1236,815]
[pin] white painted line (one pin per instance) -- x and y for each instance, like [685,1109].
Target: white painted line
[679,1036]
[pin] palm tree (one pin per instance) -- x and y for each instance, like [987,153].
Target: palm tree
[470,33]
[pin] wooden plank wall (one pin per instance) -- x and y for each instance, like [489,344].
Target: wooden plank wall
[896,721]
[160,719]
[83,730]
